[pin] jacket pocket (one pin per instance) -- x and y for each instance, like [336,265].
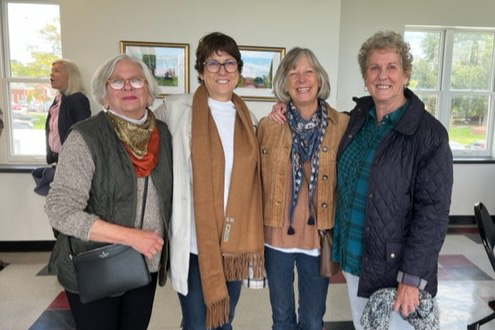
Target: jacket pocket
[394,252]
[273,180]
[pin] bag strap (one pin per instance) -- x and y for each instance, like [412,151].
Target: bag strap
[143,208]
[145,194]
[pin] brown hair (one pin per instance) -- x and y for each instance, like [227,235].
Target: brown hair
[216,42]
[386,40]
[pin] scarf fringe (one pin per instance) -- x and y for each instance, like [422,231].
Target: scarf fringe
[217,313]
[236,267]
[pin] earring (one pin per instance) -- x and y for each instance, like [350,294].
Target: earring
[365,89]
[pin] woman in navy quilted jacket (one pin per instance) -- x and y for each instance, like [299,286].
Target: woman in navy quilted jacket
[394,184]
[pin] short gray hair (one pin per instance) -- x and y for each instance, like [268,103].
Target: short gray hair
[386,40]
[74,78]
[99,81]
[290,62]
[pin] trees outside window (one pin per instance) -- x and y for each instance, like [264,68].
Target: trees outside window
[31,35]
[453,73]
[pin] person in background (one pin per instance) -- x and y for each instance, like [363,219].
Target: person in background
[69,107]
[217,233]
[395,180]
[299,181]
[108,166]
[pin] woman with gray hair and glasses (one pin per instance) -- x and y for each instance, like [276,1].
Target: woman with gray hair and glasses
[299,180]
[114,185]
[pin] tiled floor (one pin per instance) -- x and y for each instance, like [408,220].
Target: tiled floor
[31,299]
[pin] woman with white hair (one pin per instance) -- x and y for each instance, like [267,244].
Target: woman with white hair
[110,164]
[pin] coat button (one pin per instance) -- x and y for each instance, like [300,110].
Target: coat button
[324,177]
[324,148]
[371,195]
[392,255]
[264,151]
[324,205]
[350,136]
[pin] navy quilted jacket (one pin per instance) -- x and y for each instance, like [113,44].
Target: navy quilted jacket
[410,187]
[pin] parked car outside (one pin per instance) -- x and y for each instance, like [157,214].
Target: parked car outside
[476,145]
[22,124]
[455,145]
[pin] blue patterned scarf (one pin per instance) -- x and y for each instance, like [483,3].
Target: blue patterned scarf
[306,141]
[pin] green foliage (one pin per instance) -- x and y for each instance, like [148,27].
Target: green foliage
[39,120]
[464,135]
[42,61]
[172,82]
[471,59]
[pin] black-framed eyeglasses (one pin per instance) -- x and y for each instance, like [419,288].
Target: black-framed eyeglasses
[213,66]
[119,83]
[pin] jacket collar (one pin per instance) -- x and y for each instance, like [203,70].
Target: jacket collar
[409,121]
[332,115]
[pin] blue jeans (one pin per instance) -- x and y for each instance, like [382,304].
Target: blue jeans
[312,290]
[193,305]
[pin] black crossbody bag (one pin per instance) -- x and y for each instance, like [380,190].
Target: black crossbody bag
[110,270]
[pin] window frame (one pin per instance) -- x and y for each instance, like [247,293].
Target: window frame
[7,157]
[445,94]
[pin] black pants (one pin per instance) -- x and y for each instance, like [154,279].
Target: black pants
[130,311]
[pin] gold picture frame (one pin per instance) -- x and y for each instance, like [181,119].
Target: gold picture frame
[168,62]
[260,65]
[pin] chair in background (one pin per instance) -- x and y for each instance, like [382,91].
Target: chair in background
[487,233]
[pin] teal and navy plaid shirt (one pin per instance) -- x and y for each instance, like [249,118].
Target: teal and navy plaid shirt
[353,174]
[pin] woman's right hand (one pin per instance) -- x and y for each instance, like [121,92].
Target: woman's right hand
[278,112]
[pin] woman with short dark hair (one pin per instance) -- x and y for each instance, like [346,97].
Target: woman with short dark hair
[217,233]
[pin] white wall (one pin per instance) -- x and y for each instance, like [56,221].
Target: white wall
[360,19]
[92,30]
[333,29]
[22,216]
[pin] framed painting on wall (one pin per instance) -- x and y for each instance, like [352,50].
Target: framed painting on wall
[260,65]
[168,62]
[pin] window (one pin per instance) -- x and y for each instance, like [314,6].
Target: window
[453,73]
[31,42]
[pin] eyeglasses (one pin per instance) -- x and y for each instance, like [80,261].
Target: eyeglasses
[213,66]
[119,83]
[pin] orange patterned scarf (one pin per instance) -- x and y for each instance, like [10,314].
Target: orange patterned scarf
[140,141]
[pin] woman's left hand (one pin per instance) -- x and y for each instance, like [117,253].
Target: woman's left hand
[146,242]
[407,299]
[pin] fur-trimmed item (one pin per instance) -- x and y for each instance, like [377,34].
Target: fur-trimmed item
[376,313]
